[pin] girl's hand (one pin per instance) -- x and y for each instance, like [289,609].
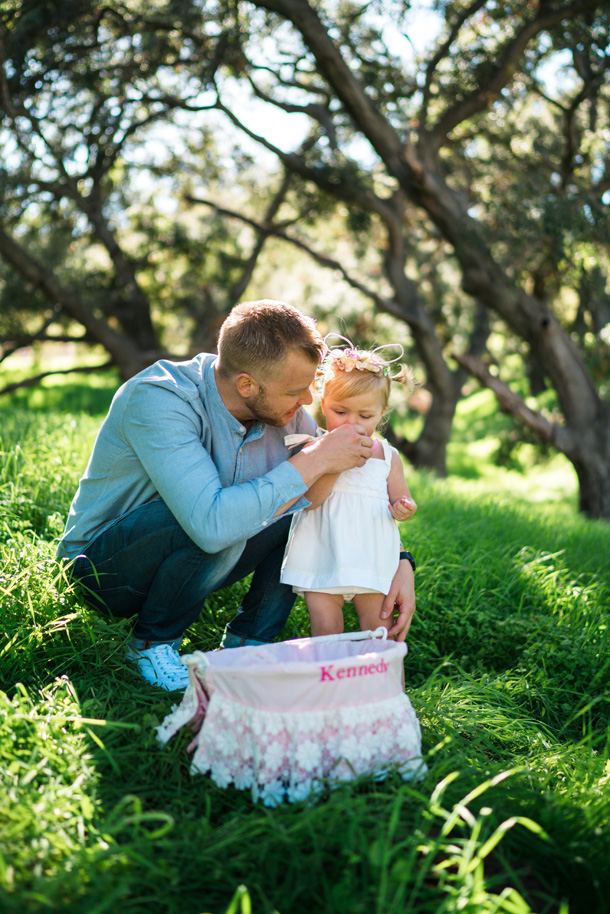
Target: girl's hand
[403,508]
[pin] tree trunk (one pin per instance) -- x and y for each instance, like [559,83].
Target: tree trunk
[592,465]
[132,310]
[126,355]
[587,448]
[429,450]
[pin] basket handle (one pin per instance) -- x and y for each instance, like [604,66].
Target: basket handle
[381,632]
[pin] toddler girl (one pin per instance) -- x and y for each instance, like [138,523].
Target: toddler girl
[347,547]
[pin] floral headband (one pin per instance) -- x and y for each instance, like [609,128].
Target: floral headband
[352,358]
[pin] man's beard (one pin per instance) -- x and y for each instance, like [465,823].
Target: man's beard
[260,409]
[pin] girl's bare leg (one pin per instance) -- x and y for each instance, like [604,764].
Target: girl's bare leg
[368,607]
[325,612]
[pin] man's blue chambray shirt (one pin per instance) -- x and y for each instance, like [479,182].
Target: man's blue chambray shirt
[168,434]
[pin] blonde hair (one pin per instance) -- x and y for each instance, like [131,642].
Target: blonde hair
[352,372]
[257,336]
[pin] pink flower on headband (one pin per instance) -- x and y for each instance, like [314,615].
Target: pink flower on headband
[343,359]
[370,362]
[350,359]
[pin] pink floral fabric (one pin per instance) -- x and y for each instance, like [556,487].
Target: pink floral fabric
[289,755]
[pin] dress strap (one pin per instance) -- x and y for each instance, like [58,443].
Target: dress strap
[387,449]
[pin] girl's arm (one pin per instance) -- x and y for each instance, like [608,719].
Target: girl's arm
[402,506]
[341,449]
[320,490]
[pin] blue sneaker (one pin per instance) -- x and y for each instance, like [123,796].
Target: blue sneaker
[160,665]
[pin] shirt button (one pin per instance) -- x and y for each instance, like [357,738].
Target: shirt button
[264,523]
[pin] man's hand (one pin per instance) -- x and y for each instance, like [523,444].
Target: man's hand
[403,508]
[339,450]
[400,600]
[346,447]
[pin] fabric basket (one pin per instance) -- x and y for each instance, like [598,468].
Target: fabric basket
[286,719]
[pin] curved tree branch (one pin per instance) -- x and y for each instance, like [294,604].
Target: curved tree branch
[551,432]
[341,190]
[35,379]
[238,288]
[123,351]
[502,75]
[378,131]
[443,51]
[269,229]
[26,339]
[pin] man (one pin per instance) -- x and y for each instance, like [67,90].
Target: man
[190,488]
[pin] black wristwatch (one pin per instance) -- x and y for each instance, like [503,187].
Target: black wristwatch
[409,558]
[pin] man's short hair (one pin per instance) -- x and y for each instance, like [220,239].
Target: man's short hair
[257,336]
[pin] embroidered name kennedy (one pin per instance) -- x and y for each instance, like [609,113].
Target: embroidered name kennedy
[351,672]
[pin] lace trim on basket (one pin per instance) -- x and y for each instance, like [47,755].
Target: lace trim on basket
[290,756]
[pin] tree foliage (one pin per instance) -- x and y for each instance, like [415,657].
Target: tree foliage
[505,166]
[464,154]
[86,106]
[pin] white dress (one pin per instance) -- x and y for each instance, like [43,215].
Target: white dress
[350,543]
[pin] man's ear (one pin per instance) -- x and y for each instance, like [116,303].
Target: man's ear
[246,385]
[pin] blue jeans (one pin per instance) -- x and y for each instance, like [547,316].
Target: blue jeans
[145,564]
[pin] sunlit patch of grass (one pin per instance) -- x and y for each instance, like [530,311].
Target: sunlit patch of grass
[473,454]
[75,393]
[508,670]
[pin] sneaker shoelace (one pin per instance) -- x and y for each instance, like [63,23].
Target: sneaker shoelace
[167,659]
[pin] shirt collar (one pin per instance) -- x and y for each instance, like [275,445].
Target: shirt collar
[215,401]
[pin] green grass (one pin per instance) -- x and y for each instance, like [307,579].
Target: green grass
[508,670]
